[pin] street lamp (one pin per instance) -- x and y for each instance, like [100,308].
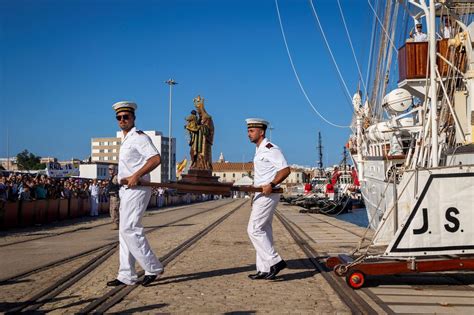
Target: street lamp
[271,129]
[170,82]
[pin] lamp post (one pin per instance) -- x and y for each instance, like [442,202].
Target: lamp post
[170,82]
[271,128]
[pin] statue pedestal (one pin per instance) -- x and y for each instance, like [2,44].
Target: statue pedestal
[207,183]
[200,177]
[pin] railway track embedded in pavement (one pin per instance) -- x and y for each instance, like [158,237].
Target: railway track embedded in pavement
[99,255]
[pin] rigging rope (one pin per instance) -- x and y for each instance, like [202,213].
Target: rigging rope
[329,49]
[383,28]
[352,47]
[369,62]
[297,76]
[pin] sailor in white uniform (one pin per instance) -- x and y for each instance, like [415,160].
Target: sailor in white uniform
[419,36]
[138,157]
[270,169]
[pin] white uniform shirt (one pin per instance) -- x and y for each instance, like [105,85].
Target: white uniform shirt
[94,189]
[447,32]
[135,150]
[267,162]
[420,37]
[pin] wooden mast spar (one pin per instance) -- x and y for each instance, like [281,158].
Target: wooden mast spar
[224,189]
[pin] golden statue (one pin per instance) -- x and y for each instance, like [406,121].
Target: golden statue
[201,136]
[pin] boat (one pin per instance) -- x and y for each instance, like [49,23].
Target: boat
[412,141]
[413,147]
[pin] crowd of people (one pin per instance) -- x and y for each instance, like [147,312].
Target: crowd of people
[16,186]
[22,186]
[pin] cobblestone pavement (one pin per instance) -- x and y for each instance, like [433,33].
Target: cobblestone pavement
[428,293]
[19,258]
[328,235]
[211,277]
[22,256]
[12,294]
[161,241]
[71,225]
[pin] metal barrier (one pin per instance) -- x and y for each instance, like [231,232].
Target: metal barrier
[28,213]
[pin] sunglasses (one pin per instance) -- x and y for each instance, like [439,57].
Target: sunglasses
[122,117]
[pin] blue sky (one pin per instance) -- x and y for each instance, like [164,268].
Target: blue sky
[63,63]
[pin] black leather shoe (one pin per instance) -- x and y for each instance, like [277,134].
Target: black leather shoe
[258,275]
[114,283]
[148,279]
[275,269]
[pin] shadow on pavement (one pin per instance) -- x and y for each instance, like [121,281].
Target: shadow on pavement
[433,280]
[5,306]
[9,282]
[142,308]
[286,275]
[71,304]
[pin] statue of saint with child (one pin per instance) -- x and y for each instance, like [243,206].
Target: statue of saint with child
[200,128]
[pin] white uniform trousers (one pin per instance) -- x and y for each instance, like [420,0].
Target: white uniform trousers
[260,230]
[133,244]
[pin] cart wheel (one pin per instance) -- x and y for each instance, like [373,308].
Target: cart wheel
[355,279]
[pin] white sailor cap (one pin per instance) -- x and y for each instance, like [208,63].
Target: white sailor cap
[124,106]
[417,22]
[257,123]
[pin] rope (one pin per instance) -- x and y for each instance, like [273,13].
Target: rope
[352,47]
[369,62]
[386,214]
[297,76]
[329,49]
[383,28]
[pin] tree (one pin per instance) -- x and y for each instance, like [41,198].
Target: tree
[28,161]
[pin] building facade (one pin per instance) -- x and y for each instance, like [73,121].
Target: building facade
[9,163]
[230,172]
[97,170]
[106,150]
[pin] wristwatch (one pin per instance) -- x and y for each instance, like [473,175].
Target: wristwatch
[272,184]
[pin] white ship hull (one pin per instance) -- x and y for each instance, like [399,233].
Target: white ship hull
[433,215]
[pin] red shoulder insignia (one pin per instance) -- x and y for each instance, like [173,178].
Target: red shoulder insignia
[269,145]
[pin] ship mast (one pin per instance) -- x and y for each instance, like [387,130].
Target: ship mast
[344,158]
[433,85]
[320,150]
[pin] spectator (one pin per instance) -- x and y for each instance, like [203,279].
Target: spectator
[28,186]
[113,191]
[161,197]
[3,197]
[24,192]
[94,192]
[447,29]
[3,192]
[40,191]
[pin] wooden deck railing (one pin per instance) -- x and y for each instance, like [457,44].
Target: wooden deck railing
[413,59]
